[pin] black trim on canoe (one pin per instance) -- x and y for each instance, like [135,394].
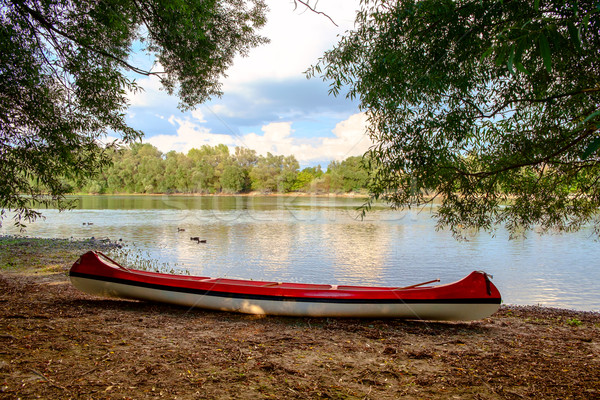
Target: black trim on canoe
[282,298]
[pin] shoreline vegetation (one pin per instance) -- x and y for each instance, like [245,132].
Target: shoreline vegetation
[60,343]
[142,168]
[358,195]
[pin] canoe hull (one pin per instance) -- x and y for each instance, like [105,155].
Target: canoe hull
[457,301]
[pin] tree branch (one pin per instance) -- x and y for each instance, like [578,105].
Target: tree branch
[558,96]
[307,5]
[36,15]
[142,14]
[544,160]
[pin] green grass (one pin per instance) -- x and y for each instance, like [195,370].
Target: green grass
[574,322]
[22,253]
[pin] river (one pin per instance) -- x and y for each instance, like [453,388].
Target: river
[323,240]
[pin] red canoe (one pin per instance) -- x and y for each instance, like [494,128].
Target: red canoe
[473,297]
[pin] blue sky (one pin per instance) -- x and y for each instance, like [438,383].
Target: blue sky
[268,104]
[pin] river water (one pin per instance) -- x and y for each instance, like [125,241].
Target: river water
[323,240]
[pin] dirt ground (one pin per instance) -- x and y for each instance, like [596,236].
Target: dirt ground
[59,343]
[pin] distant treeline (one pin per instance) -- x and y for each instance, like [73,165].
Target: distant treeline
[142,168]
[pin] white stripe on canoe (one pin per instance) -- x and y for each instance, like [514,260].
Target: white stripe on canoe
[425,311]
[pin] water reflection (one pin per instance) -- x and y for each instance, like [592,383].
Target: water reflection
[359,250]
[321,240]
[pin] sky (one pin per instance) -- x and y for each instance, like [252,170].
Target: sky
[268,103]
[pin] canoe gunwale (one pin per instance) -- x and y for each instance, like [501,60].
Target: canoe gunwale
[315,299]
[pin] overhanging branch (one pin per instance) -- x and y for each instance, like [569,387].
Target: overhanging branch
[36,15]
[543,160]
[307,5]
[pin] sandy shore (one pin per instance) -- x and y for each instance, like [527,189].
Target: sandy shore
[56,342]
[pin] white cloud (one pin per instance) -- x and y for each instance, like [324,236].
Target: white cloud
[189,135]
[197,114]
[267,86]
[276,138]
[298,38]
[150,94]
[350,138]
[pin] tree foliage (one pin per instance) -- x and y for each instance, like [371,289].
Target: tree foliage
[490,106]
[348,175]
[142,168]
[274,173]
[65,75]
[306,177]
